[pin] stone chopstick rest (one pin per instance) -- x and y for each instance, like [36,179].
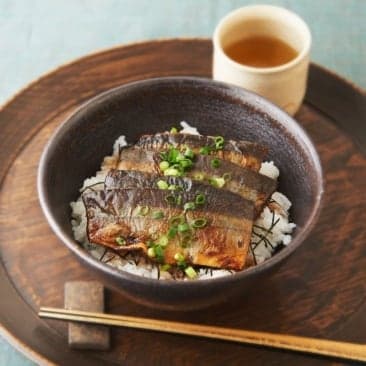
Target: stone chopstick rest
[87,296]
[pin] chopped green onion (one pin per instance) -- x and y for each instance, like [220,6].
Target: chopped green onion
[163,155]
[205,150]
[180,157]
[190,272]
[215,163]
[163,241]
[185,163]
[199,223]
[198,176]
[150,243]
[164,165]
[200,199]
[183,227]
[178,257]
[162,184]
[151,252]
[159,252]
[120,240]
[172,187]
[179,200]
[189,206]
[189,153]
[226,177]
[172,155]
[219,142]
[172,232]
[172,172]
[173,130]
[170,199]
[217,182]
[165,267]
[143,210]
[157,215]
[176,220]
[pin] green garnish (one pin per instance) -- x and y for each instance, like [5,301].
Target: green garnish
[189,153]
[180,260]
[180,157]
[143,210]
[189,206]
[172,187]
[198,176]
[173,130]
[217,182]
[170,199]
[159,252]
[215,163]
[185,163]
[183,227]
[199,223]
[219,142]
[205,150]
[179,200]
[226,177]
[172,155]
[165,267]
[156,215]
[190,272]
[176,220]
[120,240]
[178,257]
[164,165]
[173,172]
[162,184]
[200,199]
[151,252]
[163,241]
[172,232]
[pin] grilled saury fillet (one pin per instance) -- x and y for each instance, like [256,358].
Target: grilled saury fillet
[243,153]
[129,216]
[245,182]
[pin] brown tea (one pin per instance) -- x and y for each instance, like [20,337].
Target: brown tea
[260,51]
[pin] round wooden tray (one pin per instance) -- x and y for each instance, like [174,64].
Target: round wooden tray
[319,293]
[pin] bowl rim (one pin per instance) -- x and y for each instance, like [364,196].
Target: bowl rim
[252,99]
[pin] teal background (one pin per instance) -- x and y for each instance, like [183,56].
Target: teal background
[38,35]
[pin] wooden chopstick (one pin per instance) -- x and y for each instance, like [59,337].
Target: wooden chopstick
[344,350]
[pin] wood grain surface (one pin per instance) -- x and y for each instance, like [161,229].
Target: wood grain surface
[319,293]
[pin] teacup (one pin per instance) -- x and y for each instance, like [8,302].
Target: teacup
[284,84]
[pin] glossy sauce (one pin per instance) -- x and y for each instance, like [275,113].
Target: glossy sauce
[261,51]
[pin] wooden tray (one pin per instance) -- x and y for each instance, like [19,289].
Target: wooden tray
[320,292]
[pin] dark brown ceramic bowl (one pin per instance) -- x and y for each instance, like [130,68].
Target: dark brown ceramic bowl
[77,149]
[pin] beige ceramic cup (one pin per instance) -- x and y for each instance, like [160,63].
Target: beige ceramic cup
[285,85]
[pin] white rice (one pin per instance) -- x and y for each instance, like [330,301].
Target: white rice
[265,239]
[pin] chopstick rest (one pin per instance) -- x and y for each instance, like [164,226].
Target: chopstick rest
[87,296]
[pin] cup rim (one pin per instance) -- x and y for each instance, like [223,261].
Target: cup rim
[263,70]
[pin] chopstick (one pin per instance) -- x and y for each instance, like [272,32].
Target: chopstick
[344,350]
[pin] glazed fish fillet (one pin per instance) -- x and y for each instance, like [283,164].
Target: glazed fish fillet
[243,153]
[245,182]
[126,220]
